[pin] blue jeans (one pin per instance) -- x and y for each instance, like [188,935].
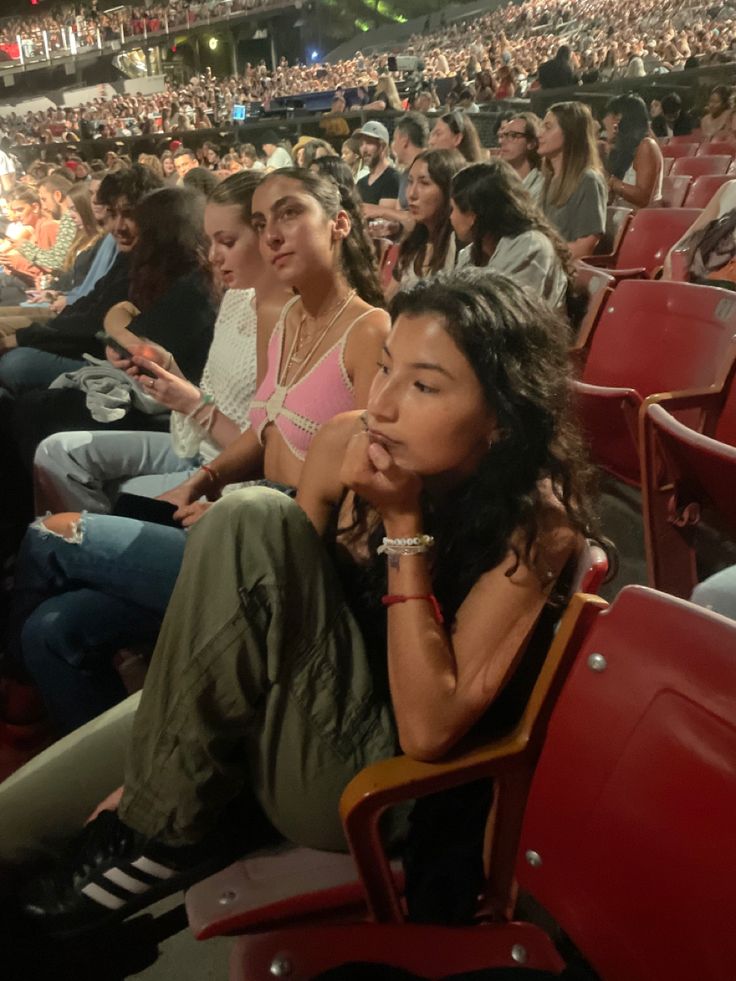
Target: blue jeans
[76,602]
[24,368]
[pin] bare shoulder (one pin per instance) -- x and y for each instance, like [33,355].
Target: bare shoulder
[372,321]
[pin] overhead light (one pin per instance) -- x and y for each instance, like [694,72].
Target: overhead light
[213,42]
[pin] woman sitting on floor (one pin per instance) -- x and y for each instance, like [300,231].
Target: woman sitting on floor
[393,608]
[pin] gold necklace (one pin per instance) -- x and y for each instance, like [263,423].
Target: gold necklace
[301,363]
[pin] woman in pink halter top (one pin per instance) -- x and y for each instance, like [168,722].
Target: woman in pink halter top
[323,351]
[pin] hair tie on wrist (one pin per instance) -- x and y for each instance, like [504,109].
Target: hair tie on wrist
[392,598]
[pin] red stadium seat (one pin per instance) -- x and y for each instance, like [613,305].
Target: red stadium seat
[703,188]
[716,147]
[649,236]
[674,191]
[298,884]
[653,337]
[695,166]
[617,221]
[689,138]
[685,470]
[676,150]
[667,161]
[628,837]
[599,285]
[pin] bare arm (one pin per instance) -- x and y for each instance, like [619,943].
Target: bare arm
[442,682]
[320,486]
[363,351]
[583,246]
[647,167]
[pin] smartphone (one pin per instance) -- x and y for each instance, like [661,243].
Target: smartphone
[118,348]
[146,509]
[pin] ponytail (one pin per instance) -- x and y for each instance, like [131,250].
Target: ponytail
[358,255]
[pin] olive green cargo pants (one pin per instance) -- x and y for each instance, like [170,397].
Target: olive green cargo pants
[260,680]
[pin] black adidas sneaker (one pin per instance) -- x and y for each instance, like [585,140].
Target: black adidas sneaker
[111,871]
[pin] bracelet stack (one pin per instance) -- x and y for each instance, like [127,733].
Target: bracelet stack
[406,546]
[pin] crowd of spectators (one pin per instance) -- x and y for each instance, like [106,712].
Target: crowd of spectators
[91,22]
[503,54]
[180,324]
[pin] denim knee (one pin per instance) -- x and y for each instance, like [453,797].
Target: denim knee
[53,631]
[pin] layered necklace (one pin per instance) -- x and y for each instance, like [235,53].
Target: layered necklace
[302,351]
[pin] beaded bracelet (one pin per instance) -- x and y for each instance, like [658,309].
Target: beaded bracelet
[406,546]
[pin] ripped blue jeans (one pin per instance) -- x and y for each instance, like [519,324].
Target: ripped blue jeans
[78,600]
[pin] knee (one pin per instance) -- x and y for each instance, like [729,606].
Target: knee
[50,450]
[67,525]
[51,633]
[256,506]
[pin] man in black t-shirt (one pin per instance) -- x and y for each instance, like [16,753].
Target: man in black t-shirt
[383,180]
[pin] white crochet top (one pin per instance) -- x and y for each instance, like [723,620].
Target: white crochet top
[229,375]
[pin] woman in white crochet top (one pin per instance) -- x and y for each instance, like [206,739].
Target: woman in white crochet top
[88,470]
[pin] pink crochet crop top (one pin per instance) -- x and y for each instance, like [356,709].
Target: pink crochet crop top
[299,410]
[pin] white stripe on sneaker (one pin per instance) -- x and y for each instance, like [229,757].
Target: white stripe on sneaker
[153,868]
[126,881]
[99,895]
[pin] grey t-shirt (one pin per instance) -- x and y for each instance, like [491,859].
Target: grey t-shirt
[584,212]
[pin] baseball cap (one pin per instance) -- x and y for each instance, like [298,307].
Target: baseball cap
[375,130]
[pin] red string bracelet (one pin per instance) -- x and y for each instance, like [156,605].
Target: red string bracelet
[210,473]
[393,598]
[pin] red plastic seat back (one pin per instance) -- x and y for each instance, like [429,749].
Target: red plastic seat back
[695,166]
[617,220]
[674,151]
[705,467]
[652,337]
[674,190]
[628,836]
[662,337]
[650,235]
[716,147]
[703,188]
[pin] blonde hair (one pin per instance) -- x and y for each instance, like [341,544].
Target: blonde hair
[153,163]
[387,87]
[579,152]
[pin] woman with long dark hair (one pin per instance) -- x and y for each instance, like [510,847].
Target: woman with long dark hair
[634,163]
[409,600]
[429,247]
[506,231]
[170,280]
[320,362]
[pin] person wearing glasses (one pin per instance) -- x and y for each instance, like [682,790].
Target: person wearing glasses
[518,139]
[454,131]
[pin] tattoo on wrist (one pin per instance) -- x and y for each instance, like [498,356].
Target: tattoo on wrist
[394,561]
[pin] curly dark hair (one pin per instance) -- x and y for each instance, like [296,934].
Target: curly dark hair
[517,348]
[171,243]
[131,184]
[442,165]
[503,207]
[358,255]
